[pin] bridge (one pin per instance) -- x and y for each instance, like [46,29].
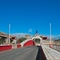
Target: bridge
[30,51]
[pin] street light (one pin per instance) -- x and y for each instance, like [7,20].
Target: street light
[50,37]
[50,33]
[9,33]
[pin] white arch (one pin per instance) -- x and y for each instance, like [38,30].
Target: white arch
[25,42]
[38,37]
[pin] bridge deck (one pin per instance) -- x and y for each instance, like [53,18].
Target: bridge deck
[25,53]
[50,53]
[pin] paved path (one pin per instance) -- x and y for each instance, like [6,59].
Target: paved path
[26,53]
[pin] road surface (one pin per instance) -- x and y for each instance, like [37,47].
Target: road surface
[25,53]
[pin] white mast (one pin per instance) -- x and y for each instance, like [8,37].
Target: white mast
[9,33]
[50,37]
[50,33]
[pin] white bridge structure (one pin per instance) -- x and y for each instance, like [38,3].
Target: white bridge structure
[37,37]
[50,53]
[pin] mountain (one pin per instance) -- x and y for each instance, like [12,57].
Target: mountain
[19,35]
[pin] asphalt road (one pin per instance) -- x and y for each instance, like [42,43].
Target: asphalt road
[26,53]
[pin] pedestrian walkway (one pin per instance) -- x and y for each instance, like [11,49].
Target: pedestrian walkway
[50,53]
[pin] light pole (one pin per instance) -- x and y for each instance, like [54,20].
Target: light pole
[9,33]
[50,33]
[50,37]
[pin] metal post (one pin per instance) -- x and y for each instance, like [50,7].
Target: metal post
[50,33]
[50,37]
[9,33]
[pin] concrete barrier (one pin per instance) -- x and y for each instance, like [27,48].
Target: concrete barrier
[7,47]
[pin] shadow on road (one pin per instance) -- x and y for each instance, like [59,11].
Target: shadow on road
[40,55]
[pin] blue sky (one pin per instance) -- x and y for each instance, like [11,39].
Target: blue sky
[27,16]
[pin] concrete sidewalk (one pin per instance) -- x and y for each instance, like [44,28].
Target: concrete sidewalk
[50,53]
